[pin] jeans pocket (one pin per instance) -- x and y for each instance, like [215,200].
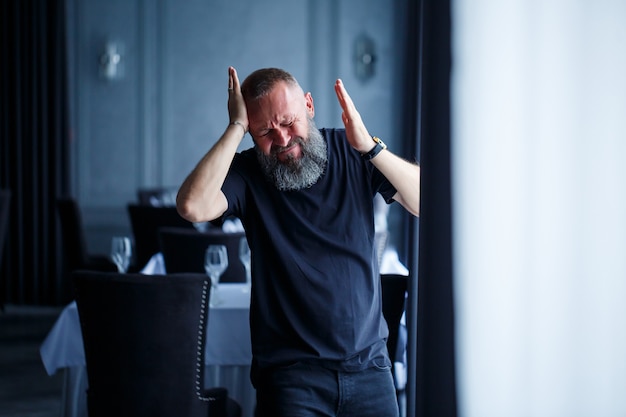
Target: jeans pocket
[381,368]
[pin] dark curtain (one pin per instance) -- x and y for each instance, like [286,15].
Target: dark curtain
[431,384]
[33,147]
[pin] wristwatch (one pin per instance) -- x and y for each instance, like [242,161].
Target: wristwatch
[380,145]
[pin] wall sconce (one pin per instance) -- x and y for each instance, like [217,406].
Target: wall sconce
[111,64]
[364,57]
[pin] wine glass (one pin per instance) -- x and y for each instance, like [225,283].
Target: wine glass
[121,252]
[201,226]
[215,263]
[244,257]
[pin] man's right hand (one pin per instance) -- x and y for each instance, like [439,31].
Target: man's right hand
[237,112]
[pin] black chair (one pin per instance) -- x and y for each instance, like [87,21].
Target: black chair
[5,208]
[157,196]
[144,338]
[145,222]
[183,251]
[394,289]
[75,251]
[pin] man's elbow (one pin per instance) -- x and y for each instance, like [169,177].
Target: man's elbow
[187,210]
[412,206]
[201,210]
[412,209]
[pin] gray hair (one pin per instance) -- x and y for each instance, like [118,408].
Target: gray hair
[261,82]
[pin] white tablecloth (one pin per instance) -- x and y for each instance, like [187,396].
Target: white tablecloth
[227,354]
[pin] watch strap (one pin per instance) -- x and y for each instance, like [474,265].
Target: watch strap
[379,146]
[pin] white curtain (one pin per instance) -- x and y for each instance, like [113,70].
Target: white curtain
[539,207]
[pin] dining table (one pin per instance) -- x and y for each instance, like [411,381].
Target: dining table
[227,352]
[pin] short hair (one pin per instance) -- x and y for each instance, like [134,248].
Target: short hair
[261,82]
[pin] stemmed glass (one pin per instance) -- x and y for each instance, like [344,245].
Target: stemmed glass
[215,263]
[121,252]
[244,257]
[201,226]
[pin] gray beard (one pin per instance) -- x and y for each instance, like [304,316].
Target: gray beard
[297,174]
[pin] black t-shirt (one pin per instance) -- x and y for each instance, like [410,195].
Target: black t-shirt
[315,288]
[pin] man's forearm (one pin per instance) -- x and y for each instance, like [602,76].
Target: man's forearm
[404,176]
[200,197]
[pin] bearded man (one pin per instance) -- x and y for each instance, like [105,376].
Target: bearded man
[305,198]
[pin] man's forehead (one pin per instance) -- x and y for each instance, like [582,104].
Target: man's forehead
[280,105]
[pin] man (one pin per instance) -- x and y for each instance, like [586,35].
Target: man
[305,198]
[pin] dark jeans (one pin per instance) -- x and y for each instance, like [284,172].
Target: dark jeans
[305,390]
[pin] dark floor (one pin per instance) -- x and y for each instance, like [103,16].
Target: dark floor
[26,390]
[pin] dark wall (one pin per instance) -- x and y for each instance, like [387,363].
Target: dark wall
[151,125]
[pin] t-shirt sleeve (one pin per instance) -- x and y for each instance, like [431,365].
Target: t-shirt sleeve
[382,185]
[234,188]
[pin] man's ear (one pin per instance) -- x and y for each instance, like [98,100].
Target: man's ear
[310,107]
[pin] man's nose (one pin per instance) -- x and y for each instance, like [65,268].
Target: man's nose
[282,137]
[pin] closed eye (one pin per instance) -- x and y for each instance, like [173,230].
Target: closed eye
[266,132]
